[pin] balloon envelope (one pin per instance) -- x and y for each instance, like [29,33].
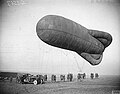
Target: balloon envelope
[67,34]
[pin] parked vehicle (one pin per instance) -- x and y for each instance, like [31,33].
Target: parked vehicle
[28,78]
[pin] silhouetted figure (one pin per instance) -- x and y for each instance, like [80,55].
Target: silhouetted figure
[10,79]
[70,77]
[62,77]
[84,75]
[96,75]
[53,78]
[45,77]
[79,76]
[92,75]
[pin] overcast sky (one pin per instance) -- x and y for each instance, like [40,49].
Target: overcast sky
[22,51]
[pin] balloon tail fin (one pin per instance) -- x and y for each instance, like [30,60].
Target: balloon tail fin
[93,59]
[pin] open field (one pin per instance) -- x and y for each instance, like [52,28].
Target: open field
[103,85]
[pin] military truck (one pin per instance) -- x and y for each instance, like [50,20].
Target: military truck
[28,78]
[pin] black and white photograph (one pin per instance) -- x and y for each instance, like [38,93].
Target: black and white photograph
[59,47]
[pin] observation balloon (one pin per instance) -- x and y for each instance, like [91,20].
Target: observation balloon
[67,34]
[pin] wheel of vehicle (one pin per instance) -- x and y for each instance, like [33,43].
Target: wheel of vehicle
[42,81]
[35,82]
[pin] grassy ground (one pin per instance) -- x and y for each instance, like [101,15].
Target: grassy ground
[103,85]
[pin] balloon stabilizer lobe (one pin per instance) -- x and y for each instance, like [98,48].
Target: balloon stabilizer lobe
[64,33]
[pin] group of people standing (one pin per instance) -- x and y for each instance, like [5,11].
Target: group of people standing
[92,76]
[69,77]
